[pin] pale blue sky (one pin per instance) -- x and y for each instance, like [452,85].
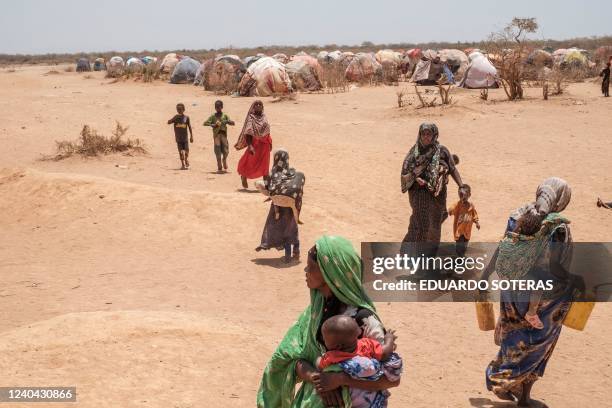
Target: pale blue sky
[41,26]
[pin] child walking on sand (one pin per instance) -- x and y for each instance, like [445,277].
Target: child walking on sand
[359,358]
[219,121]
[465,215]
[181,124]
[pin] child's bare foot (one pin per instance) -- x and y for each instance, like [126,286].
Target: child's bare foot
[245,184]
[186,163]
[183,166]
[534,321]
[224,164]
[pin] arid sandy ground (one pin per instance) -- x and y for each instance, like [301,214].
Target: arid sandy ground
[139,284]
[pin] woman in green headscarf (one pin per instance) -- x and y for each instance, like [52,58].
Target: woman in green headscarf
[333,275]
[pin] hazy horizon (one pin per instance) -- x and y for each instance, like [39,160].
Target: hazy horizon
[75,26]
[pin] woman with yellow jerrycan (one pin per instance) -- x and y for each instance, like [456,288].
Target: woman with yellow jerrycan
[537,246]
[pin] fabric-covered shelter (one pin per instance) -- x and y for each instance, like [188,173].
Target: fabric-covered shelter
[480,73]
[185,71]
[363,67]
[456,60]
[115,66]
[134,64]
[303,75]
[83,65]
[169,62]
[225,73]
[265,77]
[540,59]
[99,64]
[428,70]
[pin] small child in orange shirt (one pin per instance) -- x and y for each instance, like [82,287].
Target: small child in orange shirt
[465,215]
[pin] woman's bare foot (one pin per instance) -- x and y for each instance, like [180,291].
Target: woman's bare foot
[599,202]
[245,184]
[534,321]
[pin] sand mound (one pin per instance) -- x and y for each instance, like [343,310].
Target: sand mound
[133,358]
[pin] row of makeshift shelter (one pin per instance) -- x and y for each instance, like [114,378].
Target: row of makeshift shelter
[267,75]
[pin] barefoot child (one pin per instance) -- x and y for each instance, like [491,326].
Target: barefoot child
[181,124]
[465,215]
[360,358]
[219,121]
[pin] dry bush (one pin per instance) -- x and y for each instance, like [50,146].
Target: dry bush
[10,70]
[88,76]
[425,103]
[91,143]
[151,72]
[484,94]
[52,72]
[400,98]
[445,89]
[559,79]
[333,78]
[69,68]
[510,51]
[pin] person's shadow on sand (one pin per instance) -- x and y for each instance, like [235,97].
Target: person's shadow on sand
[246,190]
[488,403]
[277,263]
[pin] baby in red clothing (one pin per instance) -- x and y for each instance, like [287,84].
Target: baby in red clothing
[341,336]
[360,358]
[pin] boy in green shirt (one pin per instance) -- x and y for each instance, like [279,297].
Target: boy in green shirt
[219,121]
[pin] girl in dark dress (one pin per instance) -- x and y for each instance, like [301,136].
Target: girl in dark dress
[282,233]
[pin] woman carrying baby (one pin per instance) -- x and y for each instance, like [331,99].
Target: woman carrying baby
[281,229]
[333,275]
[537,246]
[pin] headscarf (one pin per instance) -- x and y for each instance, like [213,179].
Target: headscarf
[423,159]
[255,126]
[281,176]
[552,196]
[341,269]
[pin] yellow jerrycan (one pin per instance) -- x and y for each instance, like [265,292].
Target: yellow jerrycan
[579,313]
[485,315]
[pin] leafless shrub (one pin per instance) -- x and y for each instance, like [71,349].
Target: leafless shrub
[91,143]
[52,72]
[559,79]
[444,88]
[484,94]
[425,103]
[510,52]
[69,68]
[333,78]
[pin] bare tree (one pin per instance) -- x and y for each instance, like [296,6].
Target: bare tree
[509,52]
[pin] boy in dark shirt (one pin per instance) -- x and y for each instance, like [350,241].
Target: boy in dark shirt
[181,124]
[219,121]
